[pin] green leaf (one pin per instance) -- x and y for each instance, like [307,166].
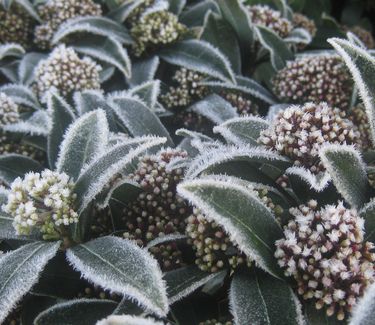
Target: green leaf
[85,139]
[199,56]
[143,71]
[368,214]
[128,320]
[184,281]
[61,116]
[362,67]
[11,49]
[13,166]
[20,270]
[220,34]
[348,172]
[21,95]
[176,6]
[242,214]
[245,130]
[194,15]
[364,311]
[139,119]
[29,8]
[257,298]
[122,12]
[76,312]
[147,92]
[278,50]
[121,266]
[27,66]
[38,124]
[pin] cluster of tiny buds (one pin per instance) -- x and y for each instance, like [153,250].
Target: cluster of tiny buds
[66,72]
[299,133]
[156,29]
[96,292]
[243,105]
[264,15]
[55,12]
[315,79]
[215,322]
[325,252]
[138,11]
[9,110]
[41,201]
[359,117]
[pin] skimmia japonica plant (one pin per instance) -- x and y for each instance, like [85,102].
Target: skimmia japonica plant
[187,162]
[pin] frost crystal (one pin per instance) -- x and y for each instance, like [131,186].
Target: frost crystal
[325,252]
[42,201]
[300,132]
[316,79]
[9,110]
[56,12]
[66,72]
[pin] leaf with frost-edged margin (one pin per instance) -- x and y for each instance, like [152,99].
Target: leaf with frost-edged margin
[118,158]
[139,119]
[244,130]
[128,320]
[215,108]
[11,49]
[10,70]
[14,165]
[76,312]
[274,110]
[199,56]
[257,298]
[176,6]
[316,182]
[364,311]
[235,13]
[224,154]
[37,124]
[19,271]
[29,8]
[220,34]
[239,210]
[348,172]
[368,214]
[96,25]
[125,193]
[128,307]
[193,134]
[122,12]
[194,15]
[143,71]
[120,266]
[148,92]
[362,68]
[166,239]
[354,39]
[26,68]
[21,95]
[106,49]
[278,50]
[84,140]
[61,117]
[185,280]
[298,36]
[243,85]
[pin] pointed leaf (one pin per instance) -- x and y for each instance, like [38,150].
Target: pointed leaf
[122,12]
[364,311]
[11,49]
[20,270]
[176,6]
[299,36]
[21,95]
[37,124]
[76,312]
[257,298]
[194,15]
[143,71]
[348,172]
[199,56]
[147,92]
[128,320]
[121,266]
[368,214]
[29,8]
[27,67]
[239,210]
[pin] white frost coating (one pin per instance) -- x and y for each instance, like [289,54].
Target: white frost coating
[363,312]
[300,318]
[365,93]
[101,134]
[78,99]
[128,320]
[354,39]
[155,90]
[299,35]
[95,188]
[21,95]
[228,153]
[20,270]
[192,134]
[109,282]
[165,239]
[236,235]
[316,182]
[9,50]
[38,124]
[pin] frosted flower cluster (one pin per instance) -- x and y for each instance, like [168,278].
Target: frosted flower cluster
[42,201]
[55,12]
[66,72]
[315,79]
[299,133]
[325,252]
[156,29]
[9,110]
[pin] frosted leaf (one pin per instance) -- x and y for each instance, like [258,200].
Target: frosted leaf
[148,92]
[298,36]
[21,95]
[274,110]
[166,239]
[354,39]
[363,313]
[128,320]
[29,8]
[368,214]
[143,71]
[194,15]
[11,49]
[316,182]
[26,68]
[122,267]
[176,6]
[37,124]
[122,12]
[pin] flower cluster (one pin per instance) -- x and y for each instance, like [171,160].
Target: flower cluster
[299,132]
[243,105]
[15,26]
[213,248]
[158,210]
[156,29]
[325,252]
[55,12]
[359,118]
[9,110]
[42,201]
[265,16]
[66,72]
[315,79]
